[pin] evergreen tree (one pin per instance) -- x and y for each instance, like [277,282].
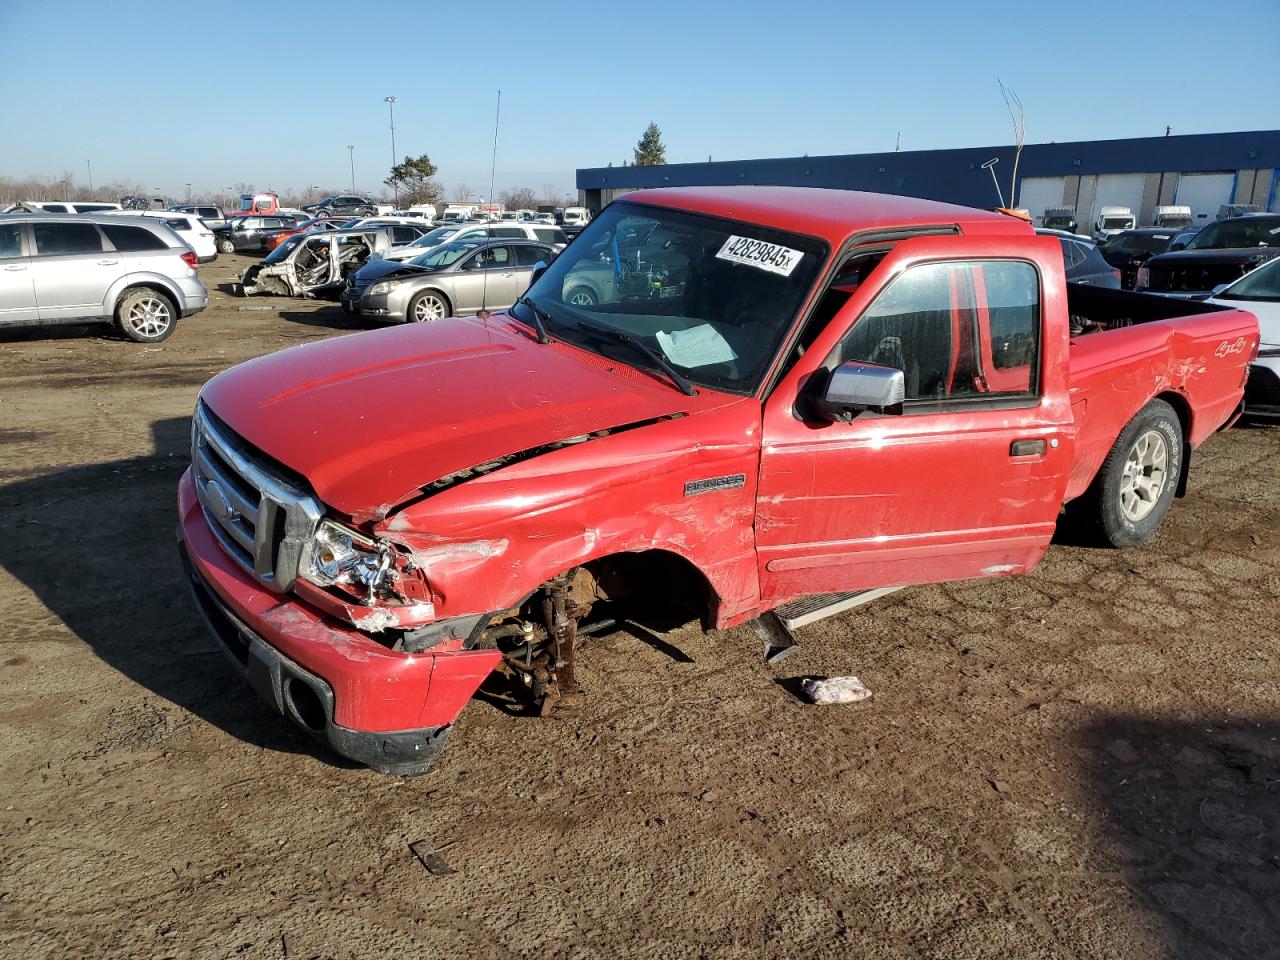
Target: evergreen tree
[650,151]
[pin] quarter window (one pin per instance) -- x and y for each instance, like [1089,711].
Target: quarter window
[956,330]
[53,239]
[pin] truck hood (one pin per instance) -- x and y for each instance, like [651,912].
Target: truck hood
[370,418]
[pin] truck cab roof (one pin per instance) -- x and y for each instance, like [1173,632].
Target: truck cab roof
[832,215]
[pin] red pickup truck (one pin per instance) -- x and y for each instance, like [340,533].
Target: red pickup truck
[762,401]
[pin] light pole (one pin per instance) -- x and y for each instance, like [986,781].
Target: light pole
[188,193]
[89,166]
[391,105]
[351,153]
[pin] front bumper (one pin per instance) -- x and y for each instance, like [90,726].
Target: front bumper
[383,708]
[379,307]
[1262,391]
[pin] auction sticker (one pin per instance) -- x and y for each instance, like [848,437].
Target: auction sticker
[757,253]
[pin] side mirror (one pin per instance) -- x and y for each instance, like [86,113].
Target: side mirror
[1178,245]
[538,270]
[855,386]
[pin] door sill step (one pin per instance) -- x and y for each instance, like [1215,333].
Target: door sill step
[807,610]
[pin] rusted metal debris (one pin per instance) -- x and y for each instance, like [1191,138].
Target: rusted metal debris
[423,850]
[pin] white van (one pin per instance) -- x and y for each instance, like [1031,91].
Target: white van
[459,212]
[1113,220]
[576,216]
[1171,218]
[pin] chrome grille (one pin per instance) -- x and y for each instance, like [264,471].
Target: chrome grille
[263,520]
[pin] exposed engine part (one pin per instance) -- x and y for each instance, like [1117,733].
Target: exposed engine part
[542,655]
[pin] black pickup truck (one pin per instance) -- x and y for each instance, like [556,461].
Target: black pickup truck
[1220,253]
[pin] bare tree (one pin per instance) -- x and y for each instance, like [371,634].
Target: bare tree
[1017,116]
[519,198]
[550,194]
[462,192]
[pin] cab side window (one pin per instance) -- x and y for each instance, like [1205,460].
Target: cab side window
[957,331]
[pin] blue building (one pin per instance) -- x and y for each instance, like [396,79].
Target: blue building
[1202,171]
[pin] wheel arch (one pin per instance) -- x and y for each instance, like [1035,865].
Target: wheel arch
[660,573]
[127,284]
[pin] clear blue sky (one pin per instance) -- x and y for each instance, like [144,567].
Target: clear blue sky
[271,92]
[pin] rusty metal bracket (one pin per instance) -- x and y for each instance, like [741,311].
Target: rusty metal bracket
[777,638]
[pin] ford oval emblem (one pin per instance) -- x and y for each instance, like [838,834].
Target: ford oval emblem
[217,502]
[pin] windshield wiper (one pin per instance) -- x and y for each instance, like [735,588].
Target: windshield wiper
[683,385]
[539,318]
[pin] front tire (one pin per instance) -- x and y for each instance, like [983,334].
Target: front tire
[145,316]
[226,246]
[582,296]
[1137,482]
[427,306]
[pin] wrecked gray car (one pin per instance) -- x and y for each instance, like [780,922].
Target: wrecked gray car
[314,265]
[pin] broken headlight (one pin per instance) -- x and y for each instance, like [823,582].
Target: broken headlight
[343,557]
[383,287]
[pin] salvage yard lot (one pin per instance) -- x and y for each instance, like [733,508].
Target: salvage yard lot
[1082,763]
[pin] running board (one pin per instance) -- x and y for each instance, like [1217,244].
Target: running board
[807,610]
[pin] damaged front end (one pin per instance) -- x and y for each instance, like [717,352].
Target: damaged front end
[315,268]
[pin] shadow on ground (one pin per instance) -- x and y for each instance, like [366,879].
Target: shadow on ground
[1192,809]
[97,545]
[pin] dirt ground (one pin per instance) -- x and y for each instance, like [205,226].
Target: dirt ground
[1080,763]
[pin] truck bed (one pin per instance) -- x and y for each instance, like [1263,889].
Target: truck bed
[1128,348]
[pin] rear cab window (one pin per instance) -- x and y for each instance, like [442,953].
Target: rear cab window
[959,331]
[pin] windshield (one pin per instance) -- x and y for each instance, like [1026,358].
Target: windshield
[1261,284]
[446,255]
[282,251]
[1058,220]
[246,203]
[1173,222]
[1116,223]
[715,298]
[1253,232]
[437,236]
[1140,242]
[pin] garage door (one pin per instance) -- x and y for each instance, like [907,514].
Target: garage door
[1204,193]
[1117,190]
[1036,193]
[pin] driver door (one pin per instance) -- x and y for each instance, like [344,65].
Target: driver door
[967,480]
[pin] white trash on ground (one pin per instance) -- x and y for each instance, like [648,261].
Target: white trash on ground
[835,690]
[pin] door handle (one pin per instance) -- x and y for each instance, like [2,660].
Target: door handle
[16,267]
[1027,448]
[107,263]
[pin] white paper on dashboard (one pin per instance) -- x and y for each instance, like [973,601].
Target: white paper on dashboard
[696,347]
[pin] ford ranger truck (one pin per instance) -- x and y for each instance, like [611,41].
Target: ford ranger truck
[763,401]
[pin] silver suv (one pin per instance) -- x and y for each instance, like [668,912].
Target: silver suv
[135,272]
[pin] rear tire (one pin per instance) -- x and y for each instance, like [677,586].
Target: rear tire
[1138,480]
[145,316]
[428,306]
